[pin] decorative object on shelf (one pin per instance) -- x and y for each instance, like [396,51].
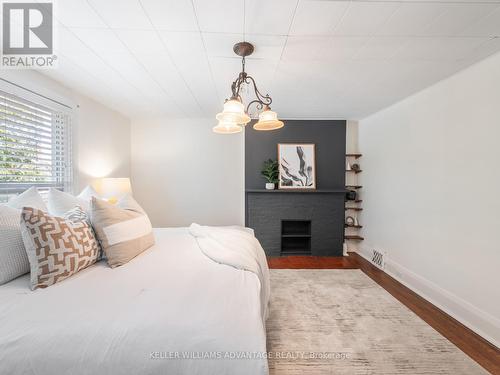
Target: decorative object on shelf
[356,222]
[344,249]
[348,166]
[234,115]
[355,167]
[351,195]
[297,169]
[270,173]
[349,221]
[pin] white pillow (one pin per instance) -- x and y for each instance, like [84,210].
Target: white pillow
[60,202]
[28,198]
[13,257]
[87,193]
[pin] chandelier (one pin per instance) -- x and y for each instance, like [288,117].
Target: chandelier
[234,116]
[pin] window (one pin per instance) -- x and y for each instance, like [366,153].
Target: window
[35,146]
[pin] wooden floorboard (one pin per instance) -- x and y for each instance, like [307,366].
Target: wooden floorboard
[480,350]
[296,262]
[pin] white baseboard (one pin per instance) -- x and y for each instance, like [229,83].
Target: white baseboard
[475,319]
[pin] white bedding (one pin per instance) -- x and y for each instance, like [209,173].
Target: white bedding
[171,301]
[219,244]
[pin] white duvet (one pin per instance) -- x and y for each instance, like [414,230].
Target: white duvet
[236,247]
[171,310]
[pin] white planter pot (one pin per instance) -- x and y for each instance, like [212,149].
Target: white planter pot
[269,186]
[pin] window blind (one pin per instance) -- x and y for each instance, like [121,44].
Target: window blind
[35,146]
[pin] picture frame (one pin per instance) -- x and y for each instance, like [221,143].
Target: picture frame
[297,166]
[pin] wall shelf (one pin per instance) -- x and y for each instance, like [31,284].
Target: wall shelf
[357,156]
[353,237]
[295,237]
[351,176]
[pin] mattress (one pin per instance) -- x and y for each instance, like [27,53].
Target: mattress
[171,310]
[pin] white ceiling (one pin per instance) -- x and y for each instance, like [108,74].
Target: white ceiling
[318,59]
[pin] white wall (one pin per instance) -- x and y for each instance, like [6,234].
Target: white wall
[103,143]
[431,177]
[182,172]
[351,146]
[101,136]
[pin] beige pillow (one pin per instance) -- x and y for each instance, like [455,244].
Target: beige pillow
[57,248]
[124,230]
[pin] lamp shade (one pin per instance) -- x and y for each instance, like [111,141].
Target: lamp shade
[115,188]
[268,120]
[227,128]
[233,112]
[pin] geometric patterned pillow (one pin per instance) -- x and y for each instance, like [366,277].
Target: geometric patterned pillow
[80,214]
[56,248]
[76,214]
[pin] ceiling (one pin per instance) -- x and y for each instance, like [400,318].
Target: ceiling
[318,59]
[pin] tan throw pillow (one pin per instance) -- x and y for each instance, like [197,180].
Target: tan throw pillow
[124,230]
[57,248]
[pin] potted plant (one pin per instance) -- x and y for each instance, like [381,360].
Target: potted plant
[270,173]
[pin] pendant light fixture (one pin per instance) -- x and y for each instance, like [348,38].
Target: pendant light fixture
[268,120]
[227,128]
[234,116]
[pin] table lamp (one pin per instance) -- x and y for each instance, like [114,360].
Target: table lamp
[113,189]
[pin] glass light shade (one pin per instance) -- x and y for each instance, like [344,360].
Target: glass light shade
[114,189]
[234,112]
[268,120]
[227,128]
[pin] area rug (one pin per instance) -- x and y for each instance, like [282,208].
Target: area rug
[341,322]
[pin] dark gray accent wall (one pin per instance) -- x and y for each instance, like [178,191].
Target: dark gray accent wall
[327,135]
[323,208]
[325,211]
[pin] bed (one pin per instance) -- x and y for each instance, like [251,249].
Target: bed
[171,310]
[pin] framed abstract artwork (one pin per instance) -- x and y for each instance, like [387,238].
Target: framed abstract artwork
[297,166]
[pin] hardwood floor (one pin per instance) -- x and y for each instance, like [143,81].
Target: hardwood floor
[296,262]
[480,350]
